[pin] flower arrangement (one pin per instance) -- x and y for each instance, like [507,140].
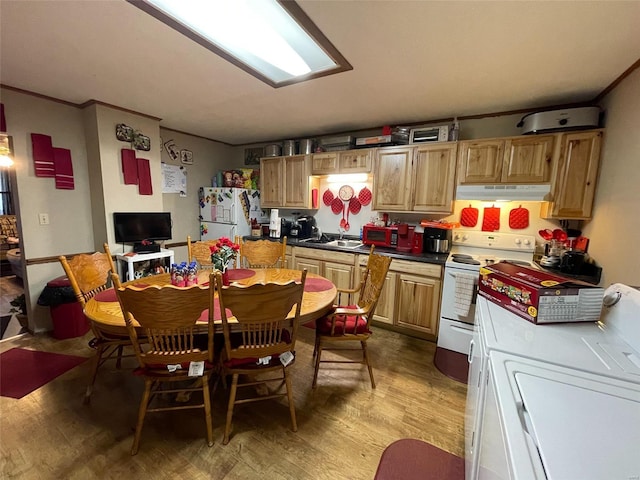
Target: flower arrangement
[222,252]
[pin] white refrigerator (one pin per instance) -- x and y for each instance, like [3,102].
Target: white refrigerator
[227,212]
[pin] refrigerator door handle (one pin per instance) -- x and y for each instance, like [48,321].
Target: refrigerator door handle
[233,213]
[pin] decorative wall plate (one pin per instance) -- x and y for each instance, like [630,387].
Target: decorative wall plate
[186,157]
[124,133]
[142,142]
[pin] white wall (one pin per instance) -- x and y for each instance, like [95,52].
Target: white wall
[70,218]
[615,227]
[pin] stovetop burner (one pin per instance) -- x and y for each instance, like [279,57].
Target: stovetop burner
[465,259]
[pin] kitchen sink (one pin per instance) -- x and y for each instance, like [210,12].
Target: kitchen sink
[345,243]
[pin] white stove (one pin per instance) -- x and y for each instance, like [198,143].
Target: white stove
[470,251]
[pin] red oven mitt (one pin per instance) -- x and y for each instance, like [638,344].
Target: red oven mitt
[491,219]
[469,216]
[519,218]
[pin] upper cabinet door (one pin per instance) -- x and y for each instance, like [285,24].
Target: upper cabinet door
[297,170]
[355,161]
[271,188]
[434,174]
[577,172]
[325,163]
[391,179]
[528,159]
[480,161]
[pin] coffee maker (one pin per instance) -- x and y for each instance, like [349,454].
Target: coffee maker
[274,223]
[306,223]
[437,240]
[405,237]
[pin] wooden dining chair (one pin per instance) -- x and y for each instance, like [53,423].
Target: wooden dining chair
[349,320]
[262,253]
[89,274]
[167,315]
[199,251]
[266,340]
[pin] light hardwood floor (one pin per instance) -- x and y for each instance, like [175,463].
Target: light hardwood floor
[343,425]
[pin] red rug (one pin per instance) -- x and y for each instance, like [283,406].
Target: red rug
[22,371]
[410,459]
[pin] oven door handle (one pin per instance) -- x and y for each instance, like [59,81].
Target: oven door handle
[470,356]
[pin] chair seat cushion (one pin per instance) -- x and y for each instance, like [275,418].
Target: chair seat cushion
[348,324]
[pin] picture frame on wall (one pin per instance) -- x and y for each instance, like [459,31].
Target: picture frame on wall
[252,155]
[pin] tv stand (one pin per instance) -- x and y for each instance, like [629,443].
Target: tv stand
[156,260]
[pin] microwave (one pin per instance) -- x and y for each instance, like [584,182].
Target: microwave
[437,133]
[380,236]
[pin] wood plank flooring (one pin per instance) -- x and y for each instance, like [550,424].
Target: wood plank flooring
[343,425]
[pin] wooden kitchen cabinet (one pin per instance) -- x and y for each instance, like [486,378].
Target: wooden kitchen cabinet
[434,174]
[286,182]
[410,299]
[339,267]
[575,175]
[480,161]
[523,159]
[342,162]
[528,159]
[271,174]
[415,179]
[391,179]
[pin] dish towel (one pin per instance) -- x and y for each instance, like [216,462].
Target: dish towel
[465,286]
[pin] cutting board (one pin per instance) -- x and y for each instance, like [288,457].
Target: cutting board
[491,219]
[469,216]
[519,218]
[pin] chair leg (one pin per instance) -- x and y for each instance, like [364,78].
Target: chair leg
[292,407]
[365,357]
[94,373]
[315,346]
[119,359]
[144,403]
[315,372]
[207,409]
[232,400]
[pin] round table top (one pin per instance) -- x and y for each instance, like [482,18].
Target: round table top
[317,299]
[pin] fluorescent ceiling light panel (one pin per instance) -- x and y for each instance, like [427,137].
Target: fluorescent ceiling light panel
[275,42]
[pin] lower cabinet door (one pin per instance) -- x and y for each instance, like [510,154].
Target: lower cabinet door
[312,265]
[418,303]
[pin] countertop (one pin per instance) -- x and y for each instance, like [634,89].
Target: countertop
[434,258]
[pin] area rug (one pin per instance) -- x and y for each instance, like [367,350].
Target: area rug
[22,371]
[409,459]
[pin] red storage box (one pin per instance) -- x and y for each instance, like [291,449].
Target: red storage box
[538,296]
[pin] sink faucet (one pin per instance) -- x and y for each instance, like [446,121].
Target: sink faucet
[341,232]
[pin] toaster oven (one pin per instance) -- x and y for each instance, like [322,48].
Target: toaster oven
[434,133]
[380,236]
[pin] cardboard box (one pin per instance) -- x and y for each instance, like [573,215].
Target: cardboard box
[538,296]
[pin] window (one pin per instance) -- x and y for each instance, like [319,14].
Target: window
[6,203]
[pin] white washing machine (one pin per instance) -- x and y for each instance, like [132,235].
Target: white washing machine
[545,421]
[609,348]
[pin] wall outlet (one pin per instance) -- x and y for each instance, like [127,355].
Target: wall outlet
[43,218]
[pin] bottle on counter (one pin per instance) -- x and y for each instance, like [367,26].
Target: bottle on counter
[454,133]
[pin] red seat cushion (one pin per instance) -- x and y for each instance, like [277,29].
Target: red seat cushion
[161,368]
[344,324]
[249,361]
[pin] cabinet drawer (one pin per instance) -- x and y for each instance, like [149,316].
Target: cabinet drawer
[406,266]
[336,257]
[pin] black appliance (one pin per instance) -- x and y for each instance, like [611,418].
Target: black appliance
[306,226]
[285,227]
[437,240]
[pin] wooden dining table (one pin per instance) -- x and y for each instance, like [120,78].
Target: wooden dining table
[317,299]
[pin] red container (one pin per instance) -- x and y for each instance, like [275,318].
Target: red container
[418,242]
[68,319]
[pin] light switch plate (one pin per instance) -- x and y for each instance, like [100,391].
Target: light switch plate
[43,218]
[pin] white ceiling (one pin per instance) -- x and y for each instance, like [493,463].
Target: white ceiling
[413,61]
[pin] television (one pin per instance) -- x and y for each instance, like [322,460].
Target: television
[134,227]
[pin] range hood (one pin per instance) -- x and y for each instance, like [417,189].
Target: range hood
[503,192]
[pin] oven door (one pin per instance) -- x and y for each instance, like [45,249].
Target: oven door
[447,308]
